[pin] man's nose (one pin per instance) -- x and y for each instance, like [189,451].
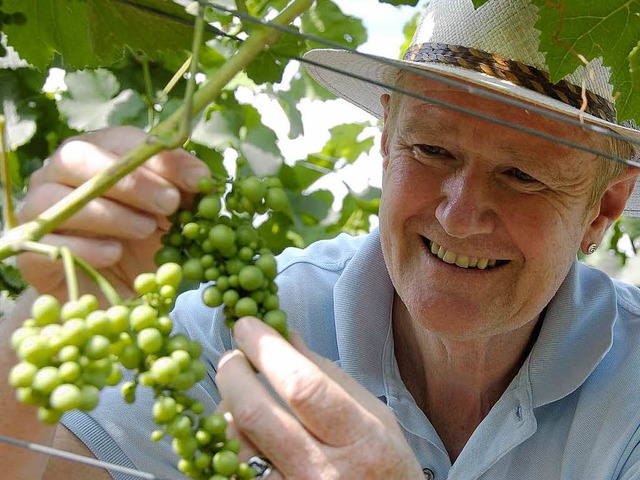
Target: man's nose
[465,206]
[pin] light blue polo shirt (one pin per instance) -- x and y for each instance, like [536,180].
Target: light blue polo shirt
[572,412]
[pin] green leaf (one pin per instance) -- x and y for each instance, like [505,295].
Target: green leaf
[408,31]
[299,176]
[344,142]
[260,149]
[478,3]
[93,101]
[326,20]
[604,28]
[313,208]
[412,3]
[93,33]
[269,65]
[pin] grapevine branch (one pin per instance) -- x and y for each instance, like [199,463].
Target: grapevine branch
[164,136]
[5,178]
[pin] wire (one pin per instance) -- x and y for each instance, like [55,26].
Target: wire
[54,452]
[448,81]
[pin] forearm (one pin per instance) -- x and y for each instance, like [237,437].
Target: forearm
[16,420]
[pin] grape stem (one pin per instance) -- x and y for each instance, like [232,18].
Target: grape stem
[70,273]
[185,128]
[177,76]
[5,177]
[166,135]
[54,253]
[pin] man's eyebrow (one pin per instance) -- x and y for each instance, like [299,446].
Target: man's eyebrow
[426,119]
[556,174]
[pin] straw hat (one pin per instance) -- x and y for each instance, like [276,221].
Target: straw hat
[495,47]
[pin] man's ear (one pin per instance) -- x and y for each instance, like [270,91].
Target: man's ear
[611,205]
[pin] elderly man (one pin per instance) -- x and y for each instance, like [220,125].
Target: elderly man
[462,339]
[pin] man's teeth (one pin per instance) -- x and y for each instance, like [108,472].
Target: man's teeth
[463,261]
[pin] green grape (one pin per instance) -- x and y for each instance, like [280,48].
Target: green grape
[185,446]
[206,185]
[246,307]
[225,462]
[245,472]
[21,375]
[89,397]
[276,199]
[209,207]
[150,340]
[253,189]
[145,283]
[66,397]
[164,409]
[192,270]
[168,254]
[46,379]
[165,370]
[45,310]
[143,316]
[97,347]
[251,278]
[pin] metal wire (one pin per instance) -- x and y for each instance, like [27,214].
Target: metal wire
[448,81]
[54,452]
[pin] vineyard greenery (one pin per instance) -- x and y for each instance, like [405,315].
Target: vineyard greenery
[174,69]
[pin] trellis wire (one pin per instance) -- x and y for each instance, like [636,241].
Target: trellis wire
[635,161]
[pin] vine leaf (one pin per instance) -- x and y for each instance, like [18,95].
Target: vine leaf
[94,100]
[478,3]
[326,20]
[605,28]
[344,142]
[94,33]
[397,3]
[21,120]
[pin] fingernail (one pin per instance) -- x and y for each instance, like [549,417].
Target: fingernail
[192,175]
[167,200]
[112,251]
[145,226]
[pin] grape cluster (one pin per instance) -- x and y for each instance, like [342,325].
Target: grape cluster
[15,18]
[215,241]
[69,352]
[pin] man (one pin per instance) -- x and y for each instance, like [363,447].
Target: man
[471,343]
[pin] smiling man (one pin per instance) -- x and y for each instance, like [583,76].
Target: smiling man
[460,340]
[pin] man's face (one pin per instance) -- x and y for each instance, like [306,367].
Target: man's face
[487,195]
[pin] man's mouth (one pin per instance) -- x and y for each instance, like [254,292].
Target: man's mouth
[462,261]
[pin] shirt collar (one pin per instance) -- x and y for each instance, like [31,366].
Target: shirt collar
[363,297]
[576,334]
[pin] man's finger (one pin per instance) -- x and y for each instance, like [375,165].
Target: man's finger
[320,403]
[273,431]
[101,216]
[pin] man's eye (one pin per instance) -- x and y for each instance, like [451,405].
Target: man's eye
[430,150]
[520,175]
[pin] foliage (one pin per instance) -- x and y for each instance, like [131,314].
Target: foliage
[120,58]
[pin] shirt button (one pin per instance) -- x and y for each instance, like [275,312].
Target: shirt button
[428,474]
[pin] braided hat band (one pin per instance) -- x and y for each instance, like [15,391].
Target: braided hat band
[513,71]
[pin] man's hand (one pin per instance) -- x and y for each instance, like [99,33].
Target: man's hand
[120,232]
[338,430]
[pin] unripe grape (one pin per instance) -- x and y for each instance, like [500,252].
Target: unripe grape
[74,332]
[253,189]
[45,310]
[98,323]
[128,390]
[267,264]
[277,320]
[203,460]
[18,336]
[246,307]
[276,199]
[97,347]
[225,462]
[119,319]
[209,207]
[69,371]
[214,424]
[130,356]
[206,185]
[245,472]
[145,283]
[232,445]
[35,350]
[165,370]
[143,316]
[192,270]
[65,397]
[168,254]
[184,380]
[48,415]
[199,369]
[212,297]
[251,278]
[182,357]
[115,376]
[185,447]
[150,340]
[22,374]
[179,426]
[90,395]
[222,237]
[46,379]
[89,303]
[164,409]
[230,297]
[157,435]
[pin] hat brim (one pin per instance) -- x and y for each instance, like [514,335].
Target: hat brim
[363,79]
